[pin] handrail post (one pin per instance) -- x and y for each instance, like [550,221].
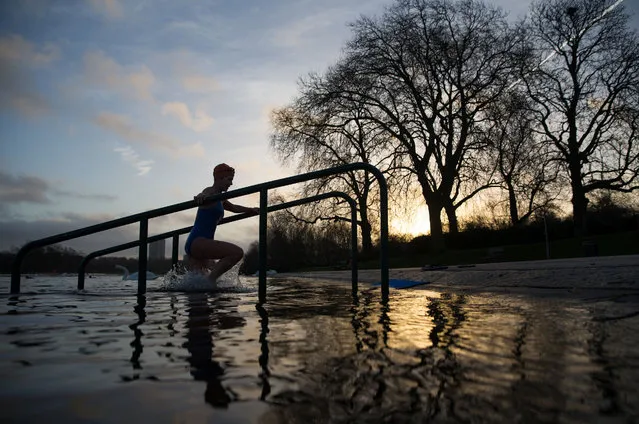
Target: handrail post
[262,249]
[353,248]
[17,268]
[383,242]
[81,271]
[174,251]
[142,255]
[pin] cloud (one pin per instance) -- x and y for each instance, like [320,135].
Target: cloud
[123,128]
[188,69]
[18,94]
[15,49]
[133,82]
[131,156]
[16,233]
[195,150]
[200,121]
[32,189]
[23,189]
[111,9]
[199,84]
[18,59]
[66,193]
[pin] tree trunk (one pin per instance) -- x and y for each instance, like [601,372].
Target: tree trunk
[365,225]
[436,231]
[453,225]
[579,206]
[512,205]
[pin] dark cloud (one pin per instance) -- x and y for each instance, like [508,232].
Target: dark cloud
[16,233]
[23,189]
[32,189]
[66,193]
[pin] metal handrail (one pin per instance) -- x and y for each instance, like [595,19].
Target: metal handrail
[85,261]
[143,219]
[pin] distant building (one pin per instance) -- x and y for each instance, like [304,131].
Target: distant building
[157,250]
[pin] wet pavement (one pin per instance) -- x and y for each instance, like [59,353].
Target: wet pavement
[543,341]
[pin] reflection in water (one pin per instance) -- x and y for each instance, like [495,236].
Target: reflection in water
[206,318]
[264,352]
[447,314]
[377,383]
[604,377]
[315,353]
[136,344]
[366,316]
[472,359]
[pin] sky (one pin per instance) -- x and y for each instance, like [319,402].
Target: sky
[114,107]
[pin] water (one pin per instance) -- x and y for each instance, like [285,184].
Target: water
[310,355]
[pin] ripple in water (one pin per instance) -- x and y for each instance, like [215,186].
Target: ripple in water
[179,279]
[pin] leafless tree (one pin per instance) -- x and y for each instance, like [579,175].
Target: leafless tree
[317,135]
[528,174]
[584,86]
[426,72]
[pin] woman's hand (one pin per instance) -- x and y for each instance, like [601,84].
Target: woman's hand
[199,199]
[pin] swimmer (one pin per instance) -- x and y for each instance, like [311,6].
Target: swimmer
[203,252]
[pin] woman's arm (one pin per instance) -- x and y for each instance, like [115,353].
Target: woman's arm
[199,198]
[239,209]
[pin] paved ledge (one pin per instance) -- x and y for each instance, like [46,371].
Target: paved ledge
[613,273]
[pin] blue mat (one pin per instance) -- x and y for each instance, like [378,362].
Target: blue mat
[402,284]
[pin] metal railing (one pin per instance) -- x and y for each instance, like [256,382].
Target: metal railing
[176,233]
[143,219]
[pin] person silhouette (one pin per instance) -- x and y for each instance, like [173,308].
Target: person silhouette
[202,250]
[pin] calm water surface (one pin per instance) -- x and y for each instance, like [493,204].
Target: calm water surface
[311,354]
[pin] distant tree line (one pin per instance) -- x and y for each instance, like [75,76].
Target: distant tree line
[62,259]
[295,244]
[456,105]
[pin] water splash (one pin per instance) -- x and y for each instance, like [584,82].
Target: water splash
[182,280]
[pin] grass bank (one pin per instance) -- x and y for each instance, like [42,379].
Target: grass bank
[602,245]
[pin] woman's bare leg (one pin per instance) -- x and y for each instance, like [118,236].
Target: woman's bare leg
[194,265]
[227,255]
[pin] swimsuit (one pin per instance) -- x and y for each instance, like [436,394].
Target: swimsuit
[205,224]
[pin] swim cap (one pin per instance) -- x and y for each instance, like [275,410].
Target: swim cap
[222,170]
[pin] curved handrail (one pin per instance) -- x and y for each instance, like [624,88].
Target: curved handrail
[262,188]
[85,261]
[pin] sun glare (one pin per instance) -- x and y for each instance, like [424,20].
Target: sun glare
[415,224]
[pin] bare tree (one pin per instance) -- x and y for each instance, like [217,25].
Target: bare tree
[584,86]
[528,173]
[426,72]
[318,135]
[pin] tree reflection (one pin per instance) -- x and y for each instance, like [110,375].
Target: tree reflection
[377,382]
